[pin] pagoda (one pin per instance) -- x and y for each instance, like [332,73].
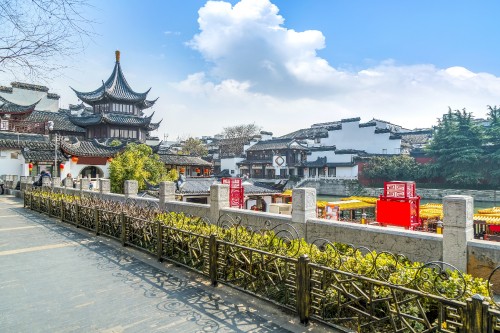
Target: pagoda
[117,110]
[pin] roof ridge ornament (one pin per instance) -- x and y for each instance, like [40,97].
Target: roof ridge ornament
[117,55]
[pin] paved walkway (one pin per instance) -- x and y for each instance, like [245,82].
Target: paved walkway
[54,278]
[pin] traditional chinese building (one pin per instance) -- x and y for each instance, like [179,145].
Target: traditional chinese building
[117,110]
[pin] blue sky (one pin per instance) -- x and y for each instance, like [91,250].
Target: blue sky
[287,64]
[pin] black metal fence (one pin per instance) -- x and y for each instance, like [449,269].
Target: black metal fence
[340,294]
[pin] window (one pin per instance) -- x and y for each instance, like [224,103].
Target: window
[4,125]
[232,172]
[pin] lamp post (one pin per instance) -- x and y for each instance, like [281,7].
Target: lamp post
[56,137]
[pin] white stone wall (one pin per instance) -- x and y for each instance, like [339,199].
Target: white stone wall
[230,164]
[12,163]
[351,136]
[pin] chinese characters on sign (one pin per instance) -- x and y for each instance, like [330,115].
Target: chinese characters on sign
[235,191]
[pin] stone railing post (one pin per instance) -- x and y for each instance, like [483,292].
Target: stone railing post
[167,193]
[219,198]
[130,188]
[104,186]
[457,229]
[303,204]
[56,182]
[24,180]
[84,185]
[46,183]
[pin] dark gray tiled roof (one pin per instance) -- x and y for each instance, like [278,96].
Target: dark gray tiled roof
[11,140]
[11,107]
[269,161]
[116,88]
[173,159]
[112,118]
[276,144]
[307,133]
[202,187]
[91,148]
[43,155]
[61,121]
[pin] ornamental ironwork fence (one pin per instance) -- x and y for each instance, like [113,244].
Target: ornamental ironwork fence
[321,280]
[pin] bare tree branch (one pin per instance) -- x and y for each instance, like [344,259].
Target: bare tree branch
[36,34]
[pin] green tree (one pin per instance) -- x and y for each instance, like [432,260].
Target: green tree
[194,147]
[137,162]
[457,148]
[398,167]
[492,146]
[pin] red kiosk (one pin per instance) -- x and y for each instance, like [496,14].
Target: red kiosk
[399,205]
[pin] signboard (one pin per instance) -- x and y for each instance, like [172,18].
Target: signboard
[236,191]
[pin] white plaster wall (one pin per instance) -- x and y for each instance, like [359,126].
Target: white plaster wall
[230,164]
[12,166]
[351,136]
[347,172]
[342,158]
[27,97]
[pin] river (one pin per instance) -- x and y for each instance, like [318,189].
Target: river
[477,205]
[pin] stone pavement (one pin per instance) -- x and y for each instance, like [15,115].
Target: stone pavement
[55,278]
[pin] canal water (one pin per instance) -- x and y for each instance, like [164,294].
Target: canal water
[477,205]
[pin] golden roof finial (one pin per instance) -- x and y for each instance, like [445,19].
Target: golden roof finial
[117,54]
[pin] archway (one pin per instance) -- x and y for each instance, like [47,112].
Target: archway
[92,171]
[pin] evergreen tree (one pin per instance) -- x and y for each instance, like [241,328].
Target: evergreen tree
[492,147]
[457,148]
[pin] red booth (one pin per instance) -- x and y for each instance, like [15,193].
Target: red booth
[399,205]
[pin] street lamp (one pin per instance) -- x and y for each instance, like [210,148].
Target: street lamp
[50,124]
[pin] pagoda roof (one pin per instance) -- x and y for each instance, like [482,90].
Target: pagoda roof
[91,148]
[113,119]
[116,89]
[7,106]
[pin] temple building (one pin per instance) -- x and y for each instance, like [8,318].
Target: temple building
[117,110]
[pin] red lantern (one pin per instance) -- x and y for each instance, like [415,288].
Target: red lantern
[61,166]
[74,159]
[30,166]
[197,170]
[110,159]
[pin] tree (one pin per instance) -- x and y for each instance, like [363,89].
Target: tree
[137,162]
[194,147]
[457,148]
[34,34]
[235,138]
[492,146]
[240,131]
[398,167]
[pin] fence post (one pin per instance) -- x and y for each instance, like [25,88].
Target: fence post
[212,259]
[159,236]
[303,289]
[166,193]
[62,210]
[124,229]
[219,199]
[77,217]
[96,219]
[130,188]
[458,229]
[477,314]
[49,206]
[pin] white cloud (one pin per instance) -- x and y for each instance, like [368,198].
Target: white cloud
[265,73]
